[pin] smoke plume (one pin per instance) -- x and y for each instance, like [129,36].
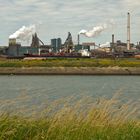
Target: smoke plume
[24,33]
[96,31]
[107,44]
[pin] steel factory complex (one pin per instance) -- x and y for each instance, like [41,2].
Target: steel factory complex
[57,49]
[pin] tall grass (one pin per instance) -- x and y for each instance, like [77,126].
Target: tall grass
[75,119]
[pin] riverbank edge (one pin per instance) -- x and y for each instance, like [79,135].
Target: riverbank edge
[70,71]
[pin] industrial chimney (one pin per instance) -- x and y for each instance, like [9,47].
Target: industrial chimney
[113,43]
[78,39]
[128,32]
[113,39]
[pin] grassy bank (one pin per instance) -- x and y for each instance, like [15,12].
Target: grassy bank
[75,120]
[71,63]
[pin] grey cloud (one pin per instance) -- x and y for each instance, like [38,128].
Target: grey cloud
[60,16]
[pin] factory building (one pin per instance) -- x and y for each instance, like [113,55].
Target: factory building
[37,47]
[13,49]
[18,50]
[84,46]
[68,45]
[35,41]
[120,49]
[119,46]
[81,47]
[138,45]
[56,44]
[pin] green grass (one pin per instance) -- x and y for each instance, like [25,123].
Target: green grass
[84,119]
[14,128]
[71,63]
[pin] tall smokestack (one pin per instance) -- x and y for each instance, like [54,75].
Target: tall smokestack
[128,32]
[78,39]
[113,41]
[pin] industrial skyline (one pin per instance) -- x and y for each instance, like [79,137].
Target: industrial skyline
[55,18]
[68,49]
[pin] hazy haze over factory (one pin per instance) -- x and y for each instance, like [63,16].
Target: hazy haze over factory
[55,18]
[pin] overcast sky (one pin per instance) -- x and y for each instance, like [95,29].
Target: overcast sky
[54,18]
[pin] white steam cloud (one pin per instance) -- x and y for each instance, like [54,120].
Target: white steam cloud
[107,44]
[24,33]
[96,31]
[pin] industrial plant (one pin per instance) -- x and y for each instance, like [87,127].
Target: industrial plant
[57,49]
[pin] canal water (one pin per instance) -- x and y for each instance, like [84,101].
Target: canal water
[35,90]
